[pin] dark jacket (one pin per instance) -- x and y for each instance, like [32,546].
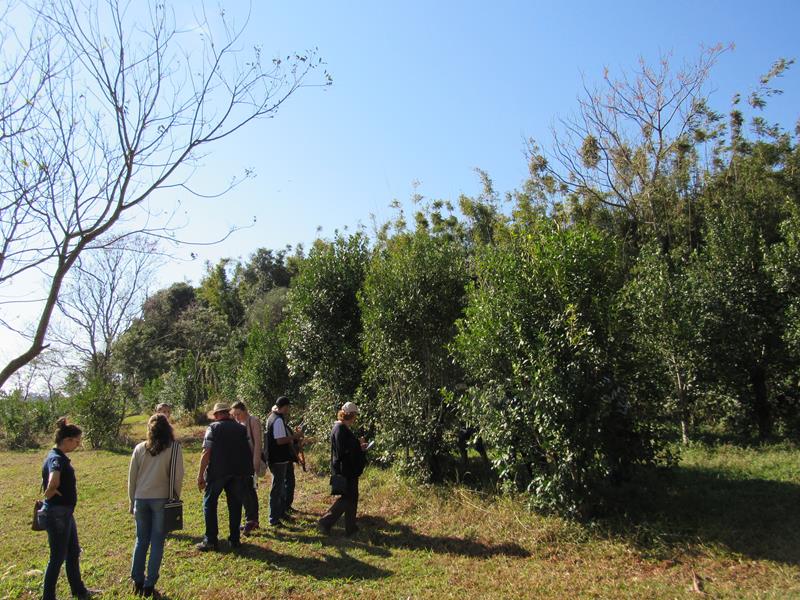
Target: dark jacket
[347,457]
[277,453]
[230,451]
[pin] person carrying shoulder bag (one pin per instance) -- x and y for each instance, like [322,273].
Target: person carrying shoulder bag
[57,514]
[148,492]
[348,459]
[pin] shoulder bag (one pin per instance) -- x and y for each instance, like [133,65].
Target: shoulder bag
[37,508]
[173,508]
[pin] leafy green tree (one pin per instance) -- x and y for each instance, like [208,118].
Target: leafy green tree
[413,294]
[148,347]
[323,326]
[218,292]
[741,312]
[549,391]
[657,304]
[264,375]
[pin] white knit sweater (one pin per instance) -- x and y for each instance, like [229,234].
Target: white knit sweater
[148,476]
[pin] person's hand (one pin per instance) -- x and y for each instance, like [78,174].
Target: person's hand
[363,441]
[201,483]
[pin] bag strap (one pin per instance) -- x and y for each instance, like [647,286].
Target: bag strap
[173,463]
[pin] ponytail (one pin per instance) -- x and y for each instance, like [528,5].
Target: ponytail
[66,430]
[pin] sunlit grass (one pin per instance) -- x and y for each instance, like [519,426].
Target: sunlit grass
[725,521]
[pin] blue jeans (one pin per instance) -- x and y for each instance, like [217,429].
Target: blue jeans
[234,491]
[62,535]
[149,513]
[277,493]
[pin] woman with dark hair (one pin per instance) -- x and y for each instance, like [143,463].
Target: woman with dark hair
[57,515]
[348,458]
[148,491]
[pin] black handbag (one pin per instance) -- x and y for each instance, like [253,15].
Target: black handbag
[338,484]
[37,508]
[173,508]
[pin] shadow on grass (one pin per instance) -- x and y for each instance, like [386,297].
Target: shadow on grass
[321,567]
[687,506]
[342,566]
[379,536]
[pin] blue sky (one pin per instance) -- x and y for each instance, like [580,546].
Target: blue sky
[427,91]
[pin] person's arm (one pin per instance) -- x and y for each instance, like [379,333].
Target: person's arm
[258,442]
[279,428]
[179,472]
[52,485]
[205,458]
[133,473]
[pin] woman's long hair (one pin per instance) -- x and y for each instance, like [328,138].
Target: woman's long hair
[159,434]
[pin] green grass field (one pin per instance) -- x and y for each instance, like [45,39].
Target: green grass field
[725,524]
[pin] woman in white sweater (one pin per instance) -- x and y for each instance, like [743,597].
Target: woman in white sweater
[148,491]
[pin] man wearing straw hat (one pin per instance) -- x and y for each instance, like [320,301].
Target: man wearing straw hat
[225,464]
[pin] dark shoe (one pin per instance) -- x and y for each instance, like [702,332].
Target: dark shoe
[277,525]
[147,592]
[205,546]
[137,588]
[249,527]
[86,594]
[235,544]
[351,532]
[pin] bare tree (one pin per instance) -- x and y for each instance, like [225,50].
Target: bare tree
[627,134]
[102,295]
[109,111]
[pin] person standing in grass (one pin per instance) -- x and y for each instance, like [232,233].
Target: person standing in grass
[57,514]
[225,464]
[148,491]
[348,458]
[255,438]
[280,455]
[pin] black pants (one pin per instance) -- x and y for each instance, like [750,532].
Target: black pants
[346,504]
[232,485]
[250,501]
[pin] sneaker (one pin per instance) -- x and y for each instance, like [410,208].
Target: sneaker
[249,527]
[205,546]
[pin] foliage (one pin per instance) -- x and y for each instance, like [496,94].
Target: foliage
[549,393]
[657,306]
[24,420]
[413,293]
[263,376]
[100,407]
[323,326]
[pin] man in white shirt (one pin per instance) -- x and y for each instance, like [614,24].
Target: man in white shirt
[279,457]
